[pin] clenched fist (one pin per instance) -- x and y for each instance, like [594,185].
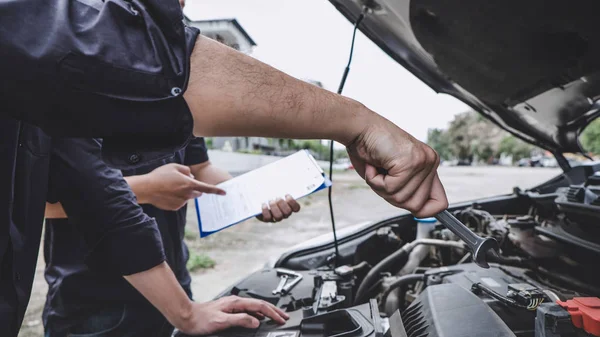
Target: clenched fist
[399,168]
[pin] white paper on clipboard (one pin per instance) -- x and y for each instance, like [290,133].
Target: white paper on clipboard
[297,175]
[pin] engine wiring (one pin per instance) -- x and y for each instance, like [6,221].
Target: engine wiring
[532,299]
[331,142]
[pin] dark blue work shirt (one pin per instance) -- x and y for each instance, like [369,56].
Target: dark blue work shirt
[24,164]
[77,289]
[95,68]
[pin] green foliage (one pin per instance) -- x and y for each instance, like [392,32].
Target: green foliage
[199,261]
[320,150]
[590,137]
[249,151]
[513,146]
[208,142]
[471,134]
[189,235]
[438,140]
[486,152]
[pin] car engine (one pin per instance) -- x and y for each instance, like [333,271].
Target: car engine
[413,277]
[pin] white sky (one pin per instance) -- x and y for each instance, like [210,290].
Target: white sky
[310,39]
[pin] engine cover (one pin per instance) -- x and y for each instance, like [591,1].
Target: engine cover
[520,321]
[359,321]
[451,310]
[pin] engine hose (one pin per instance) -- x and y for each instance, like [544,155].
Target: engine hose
[374,274]
[513,261]
[400,282]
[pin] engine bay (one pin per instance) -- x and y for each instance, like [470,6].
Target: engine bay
[413,277]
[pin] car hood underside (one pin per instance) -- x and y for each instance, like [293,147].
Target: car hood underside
[532,67]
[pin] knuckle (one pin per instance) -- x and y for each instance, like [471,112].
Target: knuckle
[418,157]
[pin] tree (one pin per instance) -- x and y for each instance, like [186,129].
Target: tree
[438,140]
[515,147]
[590,137]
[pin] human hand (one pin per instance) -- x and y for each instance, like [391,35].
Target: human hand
[410,180]
[279,209]
[170,186]
[232,311]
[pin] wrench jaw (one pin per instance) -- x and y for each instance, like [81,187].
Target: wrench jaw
[479,256]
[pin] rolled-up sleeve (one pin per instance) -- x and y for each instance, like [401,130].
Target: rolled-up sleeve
[122,239]
[99,68]
[195,152]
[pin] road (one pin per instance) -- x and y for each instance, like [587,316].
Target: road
[245,247]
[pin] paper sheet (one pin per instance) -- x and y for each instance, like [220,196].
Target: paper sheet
[297,175]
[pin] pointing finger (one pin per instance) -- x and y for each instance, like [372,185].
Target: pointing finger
[205,188]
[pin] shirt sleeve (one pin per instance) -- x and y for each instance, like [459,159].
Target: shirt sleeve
[122,239]
[99,68]
[195,152]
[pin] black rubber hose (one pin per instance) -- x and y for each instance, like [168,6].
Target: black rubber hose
[374,274]
[400,282]
[385,264]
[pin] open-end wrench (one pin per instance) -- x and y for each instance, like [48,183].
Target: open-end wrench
[291,276]
[478,245]
[282,281]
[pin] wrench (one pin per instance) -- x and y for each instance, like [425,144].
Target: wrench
[478,245]
[282,280]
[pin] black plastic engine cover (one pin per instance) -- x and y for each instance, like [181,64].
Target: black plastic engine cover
[359,321]
[451,310]
[520,321]
[261,283]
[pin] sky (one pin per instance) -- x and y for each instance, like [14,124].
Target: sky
[310,39]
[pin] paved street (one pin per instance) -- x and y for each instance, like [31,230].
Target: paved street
[245,247]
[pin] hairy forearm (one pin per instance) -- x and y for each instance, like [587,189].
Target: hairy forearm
[160,287]
[232,94]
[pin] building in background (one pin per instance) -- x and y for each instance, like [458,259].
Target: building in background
[226,31]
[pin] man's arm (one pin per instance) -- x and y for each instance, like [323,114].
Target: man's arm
[160,287]
[84,88]
[232,94]
[168,187]
[97,196]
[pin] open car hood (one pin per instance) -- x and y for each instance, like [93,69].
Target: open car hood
[532,67]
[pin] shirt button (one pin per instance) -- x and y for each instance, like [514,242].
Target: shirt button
[175,91]
[134,158]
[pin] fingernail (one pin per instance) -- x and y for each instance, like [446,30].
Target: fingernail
[222,193]
[287,196]
[265,206]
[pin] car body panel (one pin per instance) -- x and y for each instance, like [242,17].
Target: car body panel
[531,67]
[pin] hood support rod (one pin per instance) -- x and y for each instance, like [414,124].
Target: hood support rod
[562,162]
